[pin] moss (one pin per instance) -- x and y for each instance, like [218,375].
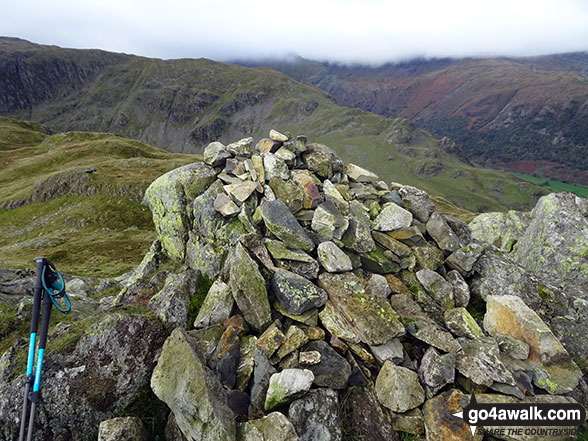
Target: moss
[477,307]
[197,298]
[548,385]
[407,436]
[414,288]
[278,392]
[8,320]
[153,412]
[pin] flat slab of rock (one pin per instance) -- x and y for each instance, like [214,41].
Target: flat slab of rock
[421,326]
[287,385]
[296,293]
[480,362]
[192,391]
[316,416]
[398,388]
[369,315]
[333,370]
[509,315]
[273,427]
[281,222]
[359,174]
[332,258]
[442,233]
[392,217]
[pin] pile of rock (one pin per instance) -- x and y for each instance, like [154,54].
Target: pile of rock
[338,303]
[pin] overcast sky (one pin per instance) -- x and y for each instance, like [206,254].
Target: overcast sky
[344,30]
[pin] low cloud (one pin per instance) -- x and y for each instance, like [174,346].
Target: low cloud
[369,31]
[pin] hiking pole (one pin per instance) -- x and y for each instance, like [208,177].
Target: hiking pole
[51,288]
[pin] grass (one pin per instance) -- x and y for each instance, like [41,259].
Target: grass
[555,186]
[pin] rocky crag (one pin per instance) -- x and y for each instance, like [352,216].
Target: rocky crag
[339,307]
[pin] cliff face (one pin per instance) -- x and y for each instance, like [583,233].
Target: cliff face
[32,74]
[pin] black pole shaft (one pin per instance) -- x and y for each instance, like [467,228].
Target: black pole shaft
[38,290]
[34,395]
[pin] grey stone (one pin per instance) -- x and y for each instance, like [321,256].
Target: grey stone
[479,361]
[410,422]
[336,324]
[379,285]
[333,370]
[417,202]
[366,418]
[281,222]
[122,429]
[277,136]
[461,290]
[243,147]
[511,346]
[287,385]
[225,359]
[316,416]
[392,217]
[201,410]
[358,237]
[280,251]
[225,206]
[273,427]
[410,236]
[247,347]
[332,194]
[262,373]
[240,192]
[274,166]
[328,222]
[437,287]
[378,261]
[309,358]
[461,323]
[248,288]
[463,259]
[398,388]
[359,174]
[442,234]
[436,371]
[289,192]
[215,154]
[503,230]
[322,160]
[391,351]
[171,303]
[293,340]
[332,258]
[397,247]
[295,293]
[202,256]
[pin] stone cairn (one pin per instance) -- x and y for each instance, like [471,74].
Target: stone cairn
[339,305]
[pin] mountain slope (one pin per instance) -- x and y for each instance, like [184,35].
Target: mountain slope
[182,105]
[501,111]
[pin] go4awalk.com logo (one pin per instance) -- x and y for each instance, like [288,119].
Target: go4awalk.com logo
[535,419]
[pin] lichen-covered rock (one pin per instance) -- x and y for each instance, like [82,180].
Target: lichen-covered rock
[287,385]
[461,323]
[215,154]
[398,388]
[243,147]
[316,416]
[332,258]
[281,222]
[503,230]
[192,391]
[168,198]
[358,174]
[464,258]
[417,202]
[436,370]
[248,288]
[327,222]
[358,237]
[273,427]
[311,195]
[509,315]
[289,192]
[336,324]
[375,322]
[122,429]
[247,347]
[217,305]
[461,290]
[480,361]
[392,217]
[366,418]
[274,166]
[295,293]
[440,424]
[511,346]
[437,287]
[322,160]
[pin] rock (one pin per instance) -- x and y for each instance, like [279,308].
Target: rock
[391,351]
[510,316]
[309,358]
[366,418]
[503,230]
[316,416]
[336,324]
[332,194]
[295,293]
[309,318]
[225,206]
[201,410]
[464,258]
[358,174]
[421,326]
[428,256]
[311,196]
[328,222]
[461,323]
[207,220]
[332,371]
[225,359]
[289,192]
[274,427]
[363,192]
[280,251]
[243,147]
[262,373]
[247,346]
[442,234]
[358,237]
[271,339]
[417,202]
[168,197]
[436,371]
[322,160]
[391,218]
[555,243]
[248,288]
[172,431]
[202,256]
[274,166]
[332,258]
[171,303]
[240,192]
[374,321]
[379,285]
[398,388]
[266,145]
[397,247]
[440,424]
[479,361]
[207,339]
[437,287]
[511,346]
[409,422]
[238,402]
[308,270]
[409,236]
[122,429]
[377,262]
[281,222]
[461,290]
[215,154]
[294,339]
[217,305]
[286,155]
[287,385]
[277,136]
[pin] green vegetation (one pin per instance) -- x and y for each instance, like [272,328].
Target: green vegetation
[555,186]
[197,298]
[153,412]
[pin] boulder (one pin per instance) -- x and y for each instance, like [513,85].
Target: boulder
[503,230]
[322,160]
[398,388]
[333,370]
[243,147]
[193,392]
[295,293]
[437,287]
[274,166]
[215,154]
[172,303]
[391,218]
[332,258]
[442,233]
[122,429]
[273,427]
[316,416]
[480,361]
[358,174]
[417,202]
[281,222]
